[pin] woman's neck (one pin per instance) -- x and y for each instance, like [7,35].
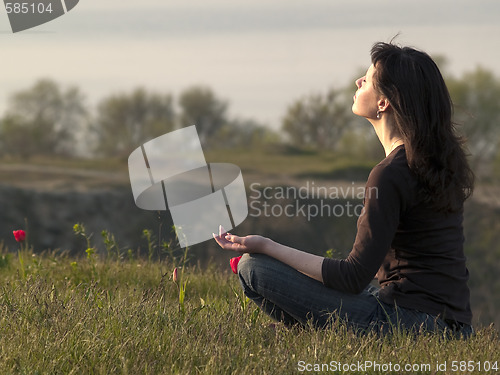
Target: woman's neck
[388,136]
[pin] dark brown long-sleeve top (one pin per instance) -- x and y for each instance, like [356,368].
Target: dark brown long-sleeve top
[415,251]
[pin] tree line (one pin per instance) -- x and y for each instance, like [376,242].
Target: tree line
[48,119]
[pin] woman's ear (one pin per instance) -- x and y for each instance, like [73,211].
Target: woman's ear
[383,104]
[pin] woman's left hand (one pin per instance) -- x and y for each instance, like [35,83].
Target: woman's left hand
[308,264]
[247,244]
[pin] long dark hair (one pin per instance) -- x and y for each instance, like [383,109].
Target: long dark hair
[423,111]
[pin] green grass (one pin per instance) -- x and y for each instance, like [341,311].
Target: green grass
[256,165]
[263,160]
[92,315]
[279,161]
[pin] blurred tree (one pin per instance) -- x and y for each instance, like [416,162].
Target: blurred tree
[317,121]
[245,133]
[200,107]
[124,121]
[361,144]
[43,120]
[477,111]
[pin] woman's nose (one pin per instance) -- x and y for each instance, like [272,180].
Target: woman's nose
[358,82]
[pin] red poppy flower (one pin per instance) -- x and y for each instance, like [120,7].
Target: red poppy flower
[19,235]
[234,264]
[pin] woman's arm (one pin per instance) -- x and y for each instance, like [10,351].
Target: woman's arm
[308,264]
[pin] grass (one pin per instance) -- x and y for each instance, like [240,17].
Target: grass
[94,164]
[321,165]
[105,315]
[260,160]
[118,314]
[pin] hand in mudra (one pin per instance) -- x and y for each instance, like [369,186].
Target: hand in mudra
[247,244]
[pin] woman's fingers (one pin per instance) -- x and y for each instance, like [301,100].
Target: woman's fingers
[222,231]
[229,241]
[224,239]
[221,237]
[217,239]
[234,239]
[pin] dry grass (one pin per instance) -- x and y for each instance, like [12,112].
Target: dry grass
[60,315]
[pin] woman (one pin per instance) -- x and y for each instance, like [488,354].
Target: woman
[410,233]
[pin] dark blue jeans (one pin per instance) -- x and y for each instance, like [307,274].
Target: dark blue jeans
[294,298]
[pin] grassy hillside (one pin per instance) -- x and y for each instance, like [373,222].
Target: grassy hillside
[90,315]
[256,164]
[279,166]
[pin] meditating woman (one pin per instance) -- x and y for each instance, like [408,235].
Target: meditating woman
[409,235]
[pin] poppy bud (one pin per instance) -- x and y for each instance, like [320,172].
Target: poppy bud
[19,235]
[174,275]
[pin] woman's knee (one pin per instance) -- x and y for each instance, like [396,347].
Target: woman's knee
[248,264]
[257,270]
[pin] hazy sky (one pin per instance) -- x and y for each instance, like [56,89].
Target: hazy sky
[259,55]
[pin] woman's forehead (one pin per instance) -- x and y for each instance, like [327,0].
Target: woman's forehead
[370,70]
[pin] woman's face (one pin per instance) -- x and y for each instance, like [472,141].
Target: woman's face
[366,98]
